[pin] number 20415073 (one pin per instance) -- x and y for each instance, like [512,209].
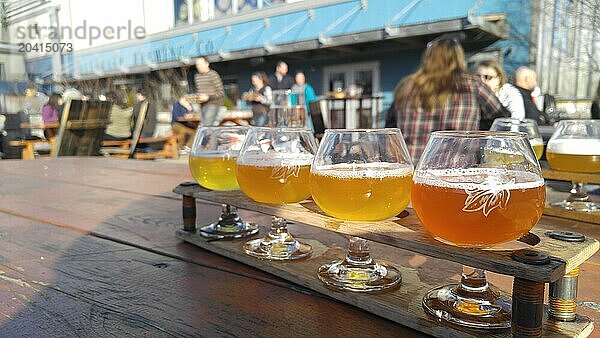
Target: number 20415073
[48,47]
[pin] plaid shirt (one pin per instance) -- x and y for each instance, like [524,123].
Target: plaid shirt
[474,106]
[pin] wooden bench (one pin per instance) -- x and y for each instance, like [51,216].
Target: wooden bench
[127,148]
[27,147]
[122,149]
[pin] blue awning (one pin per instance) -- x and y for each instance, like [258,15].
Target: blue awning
[282,29]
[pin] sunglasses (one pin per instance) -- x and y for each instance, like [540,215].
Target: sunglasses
[486,77]
[456,38]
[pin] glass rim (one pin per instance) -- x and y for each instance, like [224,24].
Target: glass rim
[280,129]
[362,130]
[514,119]
[580,120]
[480,134]
[223,127]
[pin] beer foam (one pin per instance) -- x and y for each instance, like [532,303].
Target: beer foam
[536,142]
[574,146]
[275,159]
[478,178]
[363,170]
[214,154]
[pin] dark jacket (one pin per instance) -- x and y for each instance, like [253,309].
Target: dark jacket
[595,110]
[149,121]
[531,110]
[285,83]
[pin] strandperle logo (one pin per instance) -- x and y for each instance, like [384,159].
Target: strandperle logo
[80,32]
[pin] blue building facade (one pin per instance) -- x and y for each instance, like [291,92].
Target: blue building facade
[317,37]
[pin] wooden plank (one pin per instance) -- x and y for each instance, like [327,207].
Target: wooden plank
[407,233]
[557,196]
[58,283]
[403,306]
[591,217]
[570,176]
[87,124]
[136,216]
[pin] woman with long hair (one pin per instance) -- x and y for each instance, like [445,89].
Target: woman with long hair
[492,74]
[442,95]
[261,97]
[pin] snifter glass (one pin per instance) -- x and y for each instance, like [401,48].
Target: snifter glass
[212,162]
[527,126]
[575,147]
[476,190]
[273,167]
[361,175]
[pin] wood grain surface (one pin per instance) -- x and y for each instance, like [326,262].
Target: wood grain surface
[128,206]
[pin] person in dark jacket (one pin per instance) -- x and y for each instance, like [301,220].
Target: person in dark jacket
[150,119]
[280,80]
[526,81]
[596,104]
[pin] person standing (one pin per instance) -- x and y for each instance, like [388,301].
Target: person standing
[525,82]
[306,95]
[280,80]
[492,74]
[442,95]
[209,89]
[261,98]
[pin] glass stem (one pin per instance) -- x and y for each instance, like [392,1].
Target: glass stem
[578,194]
[473,279]
[279,229]
[474,285]
[358,251]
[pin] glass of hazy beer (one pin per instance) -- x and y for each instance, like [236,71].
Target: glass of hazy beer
[575,147]
[476,190]
[527,126]
[361,175]
[273,167]
[212,163]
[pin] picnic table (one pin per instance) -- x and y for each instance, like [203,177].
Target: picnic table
[88,248]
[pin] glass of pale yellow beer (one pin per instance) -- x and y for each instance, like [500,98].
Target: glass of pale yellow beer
[575,147]
[361,175]
[273,167]
[476,190]
[212,163]
[527,126]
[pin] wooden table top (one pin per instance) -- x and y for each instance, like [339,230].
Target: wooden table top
[49,125]
[88,247]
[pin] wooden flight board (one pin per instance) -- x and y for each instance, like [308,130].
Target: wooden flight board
[592,217]
[407,233]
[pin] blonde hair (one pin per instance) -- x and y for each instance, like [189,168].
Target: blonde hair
[497,67]
[438,76]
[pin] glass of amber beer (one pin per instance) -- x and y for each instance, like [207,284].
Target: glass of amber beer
[575,147]
[527,126]
[273,167]
[361,175]
[476,190]
[212,163]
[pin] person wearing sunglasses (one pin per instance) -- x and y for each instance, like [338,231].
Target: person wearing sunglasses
[442,95]
[492,74]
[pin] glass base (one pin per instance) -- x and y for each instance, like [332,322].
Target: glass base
[578,206]
[343,275]
[444,303]
[219,231]
[277,249]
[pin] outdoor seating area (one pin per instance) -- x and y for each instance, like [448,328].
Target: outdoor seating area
[295,168]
